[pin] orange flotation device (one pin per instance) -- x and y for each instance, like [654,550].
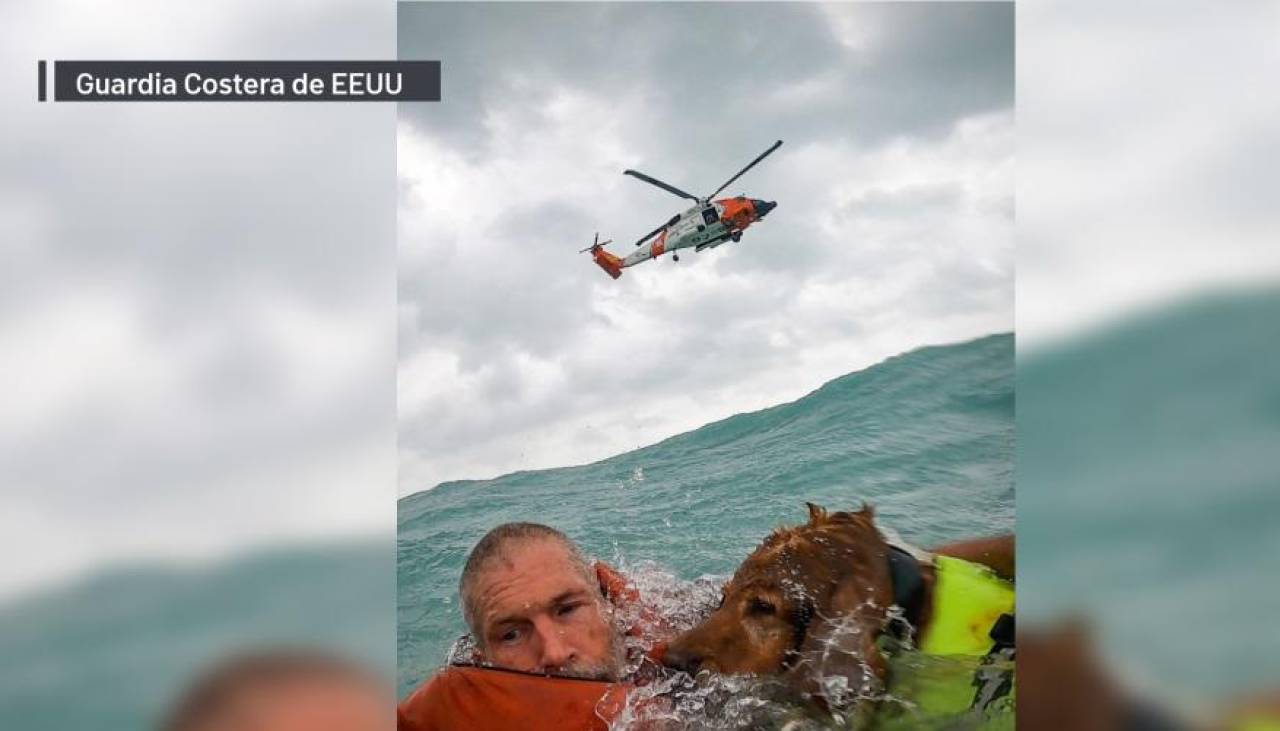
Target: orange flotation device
[488,699]
[491,699]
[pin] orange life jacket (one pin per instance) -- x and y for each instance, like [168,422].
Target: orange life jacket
[492,699]
[488,699]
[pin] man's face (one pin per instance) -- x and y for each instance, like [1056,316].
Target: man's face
[537,611]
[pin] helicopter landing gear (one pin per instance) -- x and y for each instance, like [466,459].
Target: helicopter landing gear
[736,236]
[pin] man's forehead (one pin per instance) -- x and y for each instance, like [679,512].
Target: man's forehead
[522,552]
[527,573]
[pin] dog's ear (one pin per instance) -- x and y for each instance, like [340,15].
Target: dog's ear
[836,662]
[817,514]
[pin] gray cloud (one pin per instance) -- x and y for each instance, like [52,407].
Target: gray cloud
[196,306]
[1147,170]
[784,65]
[894,227]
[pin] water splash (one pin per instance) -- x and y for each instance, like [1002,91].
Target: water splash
[675,700]
[667,700]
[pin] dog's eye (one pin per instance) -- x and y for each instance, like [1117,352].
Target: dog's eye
[761,608]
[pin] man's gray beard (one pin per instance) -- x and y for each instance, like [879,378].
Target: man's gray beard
[609,671]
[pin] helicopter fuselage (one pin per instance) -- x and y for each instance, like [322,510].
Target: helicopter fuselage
[702,227]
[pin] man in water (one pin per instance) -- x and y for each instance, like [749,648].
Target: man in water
[533,603]
[536,606]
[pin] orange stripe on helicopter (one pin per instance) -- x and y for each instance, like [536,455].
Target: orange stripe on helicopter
[659,245]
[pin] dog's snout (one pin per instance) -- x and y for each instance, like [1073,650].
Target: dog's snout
[680,658]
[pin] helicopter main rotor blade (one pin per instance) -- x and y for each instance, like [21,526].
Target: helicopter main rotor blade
[750,165]
[660,184]
[658,230]
[651,234]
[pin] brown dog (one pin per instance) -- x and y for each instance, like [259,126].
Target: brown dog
[810,603]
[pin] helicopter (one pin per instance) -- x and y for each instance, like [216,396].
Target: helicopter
[705,225]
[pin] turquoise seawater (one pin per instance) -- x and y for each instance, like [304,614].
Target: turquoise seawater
[1149,493]
[1149,498]
[927,437]
[113,651]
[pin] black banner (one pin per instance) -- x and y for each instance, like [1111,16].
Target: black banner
[244,81]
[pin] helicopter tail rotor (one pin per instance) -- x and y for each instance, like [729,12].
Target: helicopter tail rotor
[606,261]
[596,244]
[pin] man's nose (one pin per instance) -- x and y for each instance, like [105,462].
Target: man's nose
[556,651]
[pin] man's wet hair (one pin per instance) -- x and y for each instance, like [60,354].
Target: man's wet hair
[214,697]
[494,546]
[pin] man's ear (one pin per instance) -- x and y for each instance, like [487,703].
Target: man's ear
[837,661]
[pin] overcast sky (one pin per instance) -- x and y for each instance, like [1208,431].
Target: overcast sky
[197,301]
[894,227]
[197,313]
[1148,140]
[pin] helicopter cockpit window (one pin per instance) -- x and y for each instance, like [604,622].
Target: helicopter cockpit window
[709,215]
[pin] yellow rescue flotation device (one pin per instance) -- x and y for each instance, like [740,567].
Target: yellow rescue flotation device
[968,600]
[952,680]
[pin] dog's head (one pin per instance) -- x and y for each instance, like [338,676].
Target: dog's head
[809,602]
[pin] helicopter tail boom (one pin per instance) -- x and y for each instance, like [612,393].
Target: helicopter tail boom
[608,262]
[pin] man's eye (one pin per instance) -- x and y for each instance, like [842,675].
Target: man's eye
[510,636]
[568,609]
[761,608]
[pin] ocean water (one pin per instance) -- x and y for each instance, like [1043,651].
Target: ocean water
[927,437]
[111,652]
[1149,500]
[1149,494]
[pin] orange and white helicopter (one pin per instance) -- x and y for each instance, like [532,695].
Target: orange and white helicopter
[705,225]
